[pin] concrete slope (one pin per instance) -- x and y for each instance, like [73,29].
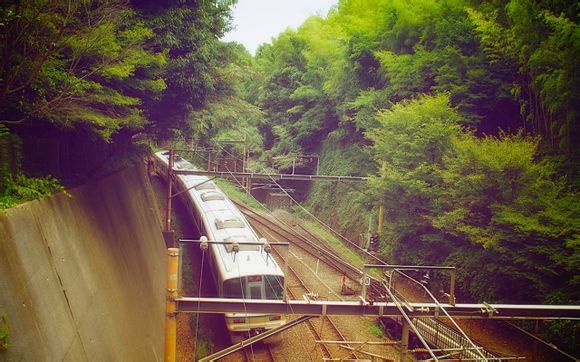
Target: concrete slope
[83,277]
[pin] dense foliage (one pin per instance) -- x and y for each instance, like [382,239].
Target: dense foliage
[464,106]
[112,66]
[465,115]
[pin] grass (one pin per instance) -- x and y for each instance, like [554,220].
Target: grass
[237,194]
[377,330]
[338,246]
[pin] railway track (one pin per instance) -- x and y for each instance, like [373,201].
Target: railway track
[296,288]
[437,332]
[312,244]
[258,352]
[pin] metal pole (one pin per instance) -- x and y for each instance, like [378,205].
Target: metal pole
[246,180]
[171,305]
[452,288]
[317,163]
[368,238]
[381,217]
[285,294]
[404,340]
[364,284]
[169,191]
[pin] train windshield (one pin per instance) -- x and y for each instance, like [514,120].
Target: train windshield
[255,287]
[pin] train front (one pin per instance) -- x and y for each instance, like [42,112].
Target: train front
[252,274]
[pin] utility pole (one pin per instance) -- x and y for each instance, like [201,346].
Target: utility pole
[171,305]
[168,232]
[381,218]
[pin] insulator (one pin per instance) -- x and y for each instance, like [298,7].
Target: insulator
[235,247]
[204,245]
[267,247]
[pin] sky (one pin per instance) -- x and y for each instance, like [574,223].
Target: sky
[258,21]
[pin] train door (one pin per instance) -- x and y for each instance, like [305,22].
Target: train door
[255,287]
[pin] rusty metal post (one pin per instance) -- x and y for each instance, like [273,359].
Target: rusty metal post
[364,284]
[404,340]
[246,181]
[168,233]
[171,305]
[452,288]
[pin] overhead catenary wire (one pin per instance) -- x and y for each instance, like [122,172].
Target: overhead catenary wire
[237,263]
[287,256]
[353,244]
[330,229]
[476,348]
[365,252]
[198,303]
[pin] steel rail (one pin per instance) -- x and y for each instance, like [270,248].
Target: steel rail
[259,352]
[331,258]
[310,323]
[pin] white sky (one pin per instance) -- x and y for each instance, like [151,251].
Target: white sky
[258,21]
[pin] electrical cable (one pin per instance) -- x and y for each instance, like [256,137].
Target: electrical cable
[350,242]
[199,302]
[477,349]
[332,230]
[287,257]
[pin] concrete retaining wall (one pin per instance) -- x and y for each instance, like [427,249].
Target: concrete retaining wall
[83,277]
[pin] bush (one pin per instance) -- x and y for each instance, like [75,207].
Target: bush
[4,333]
[23,188]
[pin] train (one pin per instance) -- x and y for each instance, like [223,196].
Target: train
[240,268]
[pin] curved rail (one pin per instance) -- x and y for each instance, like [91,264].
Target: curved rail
[296,289]
[376,291]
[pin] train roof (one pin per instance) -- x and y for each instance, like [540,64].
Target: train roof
[224,222]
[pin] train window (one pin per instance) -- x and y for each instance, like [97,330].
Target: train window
[233,288]
[212,196]
[205,186]
[256,291]
[229,223]
[274,286]
[183,165]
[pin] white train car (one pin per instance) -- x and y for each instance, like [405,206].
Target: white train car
[240,270]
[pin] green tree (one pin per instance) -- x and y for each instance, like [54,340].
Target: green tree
[501,201]
[541,43]
[75,63]
[188,32]
[409,146]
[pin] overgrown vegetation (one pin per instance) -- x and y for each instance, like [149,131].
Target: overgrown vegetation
[114,67]
[15,187]
[4,333]
[462,113]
